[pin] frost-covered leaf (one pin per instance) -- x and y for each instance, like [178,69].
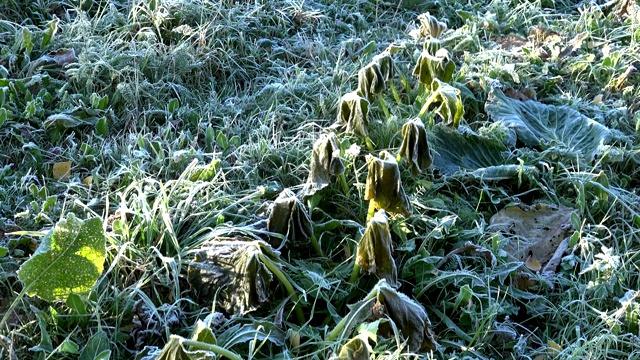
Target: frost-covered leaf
[352,114]
[175,350]
[415,148]
[547,126]
[429,26]
[230,269]
[385,63]
[355,349]
[289,217]
[70,259]
[408,316]
[325,163]
[370,81]
[533,232]
[384,185]
[479,156]
[432,66]
[97,344]
[374,254]
[450,109]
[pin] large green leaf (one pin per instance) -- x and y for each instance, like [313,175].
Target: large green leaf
[546,126]
[70,259]
[469,153]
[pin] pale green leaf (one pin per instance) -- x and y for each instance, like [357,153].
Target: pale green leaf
[544,126]
[69,259]
[325,163]
[96,346]
[384,186]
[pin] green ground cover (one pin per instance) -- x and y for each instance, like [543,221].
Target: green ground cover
[319,179]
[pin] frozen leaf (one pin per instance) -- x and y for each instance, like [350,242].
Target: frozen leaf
[432,66]
[175,350]
[429,26]
[384,186]
[289,217]
[230,270]
[385,62]
[450,109]
[533,264]
[63,56]
[97,344]
[356,349]
[370,81]
[481,157]
[408,316]
[547,126]
[70,259]
[61,170]
[415,148]
[87,180]
[375,249]
[325,163]
[352,114]
[533,232]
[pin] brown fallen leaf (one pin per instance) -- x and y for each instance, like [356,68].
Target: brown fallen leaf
[533,264]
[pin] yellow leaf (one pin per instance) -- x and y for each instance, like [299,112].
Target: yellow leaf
[61,170]
[540,357]
[553,348]
[597,100]
[533,264]
[87,181]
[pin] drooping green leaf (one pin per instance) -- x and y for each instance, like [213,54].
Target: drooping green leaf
[230,270]
[203,333]
[68,346]
[175,350]
[325,163]
[384,186]
[384,301]
[75,303]
[352,114]
[374,254]
[69,259]
[415,147]
[434,66]
[97,345]
[355,349]
[469,153]
[371,81]
[450,109]
[545,126]
[429,26]
[289,217]
[50,30]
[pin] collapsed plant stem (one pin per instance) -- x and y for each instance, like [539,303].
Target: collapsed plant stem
[287,284]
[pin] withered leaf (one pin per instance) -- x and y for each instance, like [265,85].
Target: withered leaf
[356,349]
[62,56]
[415,148]
[384,185]
[407,315]
[230,270]
[375,249]
[534,232]
[352,114]
[371,81]
[325,163]
[429,26]
[434,66]
[289,217]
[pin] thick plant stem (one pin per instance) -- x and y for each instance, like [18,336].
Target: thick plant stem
[394,91]
[340,327]
[343,182]
[316,245]
[383,106]
[287,284]
[370,146]
[199,345]
[371,211]
[355,272]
